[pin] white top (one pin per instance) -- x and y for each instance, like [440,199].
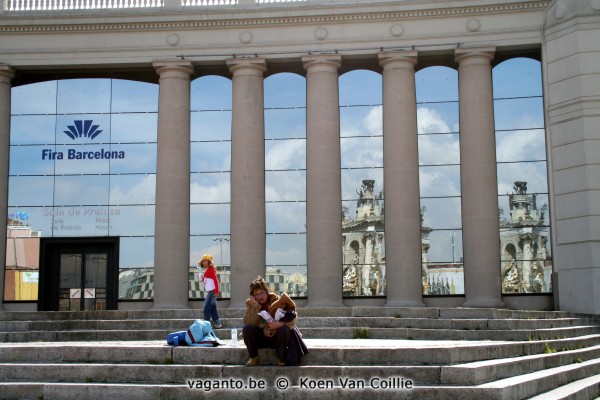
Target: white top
[209,284]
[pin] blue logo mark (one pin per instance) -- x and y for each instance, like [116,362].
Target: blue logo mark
[83,128]
[23,215]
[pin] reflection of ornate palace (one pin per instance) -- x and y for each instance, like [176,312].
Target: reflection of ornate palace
[526,264]
[362,237]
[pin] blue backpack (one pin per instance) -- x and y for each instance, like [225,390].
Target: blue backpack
[177,338]
[201,333]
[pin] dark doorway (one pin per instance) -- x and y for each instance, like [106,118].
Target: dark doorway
[79,274]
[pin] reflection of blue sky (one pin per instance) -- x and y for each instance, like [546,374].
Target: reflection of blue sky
[285,217]
[210,156]
[210,125]
[128,128]
[436,83]
[32,129]
[75,96]
[132,96]
[207,219]
[210,188]
[132,189]
[288,250]
[211,93]
[285,185]
[285,90]
[441,249]
[39,98]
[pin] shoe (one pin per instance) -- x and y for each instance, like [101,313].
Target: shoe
[218,325]
[253,361]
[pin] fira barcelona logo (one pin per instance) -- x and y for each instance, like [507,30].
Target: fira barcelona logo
[83,128]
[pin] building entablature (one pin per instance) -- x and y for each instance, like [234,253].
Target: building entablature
[126,41]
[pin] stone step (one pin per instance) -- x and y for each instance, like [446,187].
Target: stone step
[478,372]
[519,387]
[167,371]
[305,322]
[399,312]
[307,332]
[326,352]
[587,388]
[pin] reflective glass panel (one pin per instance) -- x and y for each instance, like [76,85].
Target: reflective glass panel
[30,190]
[211,156]
[37,98]
[210,125]
[285,185]
[286,217]
[207,219]
[285,154]
[533,173]
[211,93]
[31,160]
[437,118]
[131,220]
[441,213]
[285,90]
[436,84]
[134,128]
[362,152]
[132,96]
[210,188]
[439,149]
[522,145]
[440,181]
[32,129]
[83,96]
[132,158]
[287,251]
[132,189]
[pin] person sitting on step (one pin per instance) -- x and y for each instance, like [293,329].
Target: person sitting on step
[284,337]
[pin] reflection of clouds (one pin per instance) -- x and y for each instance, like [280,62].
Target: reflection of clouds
[430,121]
[80,190]
[36,98]
[285,186]
[285,154]
[286,250]
[533,173]
[217,193]
[520,145]
[373,122]
[286,217]
[140,192]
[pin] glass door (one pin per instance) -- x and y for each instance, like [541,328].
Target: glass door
[83,281]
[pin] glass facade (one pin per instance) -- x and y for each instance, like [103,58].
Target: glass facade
[439,179]
[210,169]
[83,164]
[525,251]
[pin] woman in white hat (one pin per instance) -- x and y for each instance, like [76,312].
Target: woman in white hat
[211,286]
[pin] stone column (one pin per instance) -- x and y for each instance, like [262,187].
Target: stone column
[401,180]
[172,222]
[248,229]
[481,236]
[323,182]
[6,75]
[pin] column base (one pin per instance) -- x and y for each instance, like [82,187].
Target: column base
[484,303]
[404,303]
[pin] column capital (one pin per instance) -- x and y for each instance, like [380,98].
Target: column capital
[398,59]
[247,66]
[6,73]
[173,68]
[473,56]
[322,63]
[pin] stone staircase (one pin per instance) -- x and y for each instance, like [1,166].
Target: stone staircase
[355,352]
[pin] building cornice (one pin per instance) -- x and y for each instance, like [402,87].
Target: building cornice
[194,19]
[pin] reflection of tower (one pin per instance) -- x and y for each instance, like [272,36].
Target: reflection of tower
[526,262]
[363,244]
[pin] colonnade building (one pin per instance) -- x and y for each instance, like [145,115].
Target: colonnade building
[393,153]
